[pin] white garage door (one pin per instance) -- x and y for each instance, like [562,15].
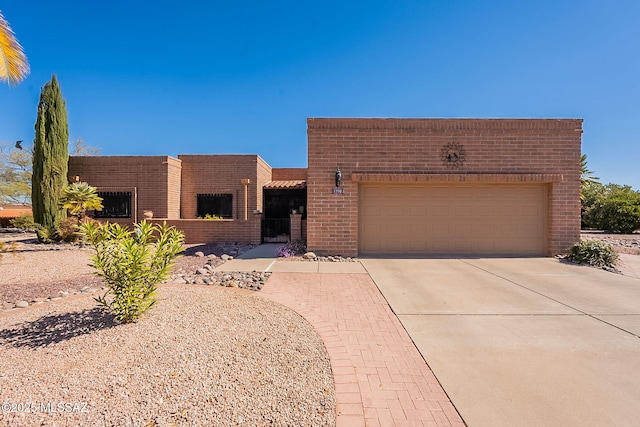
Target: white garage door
[452,219]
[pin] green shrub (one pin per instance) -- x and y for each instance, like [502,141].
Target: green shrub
[210,216]
[68,230]
[132,263]
[594,253]
[45,235]
[612,208]
[24,222]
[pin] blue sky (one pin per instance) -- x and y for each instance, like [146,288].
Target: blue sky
[163,77]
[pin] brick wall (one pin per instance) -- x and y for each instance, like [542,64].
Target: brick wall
[496,150]
[152,180]
[223,174]
[203,231]
[289,174]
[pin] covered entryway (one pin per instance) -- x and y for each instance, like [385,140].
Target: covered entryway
[452,219]
[280,200]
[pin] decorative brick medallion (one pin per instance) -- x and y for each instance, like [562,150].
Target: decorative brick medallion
[453,155]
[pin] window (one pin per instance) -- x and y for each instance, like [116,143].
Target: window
[116,204]
[216,205]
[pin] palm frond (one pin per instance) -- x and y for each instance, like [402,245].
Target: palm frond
[14,67]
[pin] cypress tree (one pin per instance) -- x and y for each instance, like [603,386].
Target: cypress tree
[50,158]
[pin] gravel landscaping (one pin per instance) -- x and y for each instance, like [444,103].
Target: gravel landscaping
[622,243]
[204,355]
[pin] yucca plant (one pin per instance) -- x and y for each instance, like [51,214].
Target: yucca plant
[132,263]
[14,67]
[80,197]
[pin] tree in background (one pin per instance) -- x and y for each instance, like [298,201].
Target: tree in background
[587,177]
[15,175]
[81,148]
[80,197]
[50,159]
[14,67]
[15,169]
[614,208]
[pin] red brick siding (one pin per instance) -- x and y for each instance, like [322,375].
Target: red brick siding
[296,226]
[414,146]
[220,174]
[148,176]
[202,230]
[289,174]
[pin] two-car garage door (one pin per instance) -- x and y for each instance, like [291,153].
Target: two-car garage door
[460,219]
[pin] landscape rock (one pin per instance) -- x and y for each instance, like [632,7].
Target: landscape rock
[22,304]
[199,254]
[309,255]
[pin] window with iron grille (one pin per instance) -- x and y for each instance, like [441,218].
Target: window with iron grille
[115,204]
[220,205]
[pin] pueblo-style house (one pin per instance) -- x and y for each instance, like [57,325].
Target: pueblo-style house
[417,187]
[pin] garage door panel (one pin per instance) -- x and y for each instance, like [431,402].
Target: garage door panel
[452,219]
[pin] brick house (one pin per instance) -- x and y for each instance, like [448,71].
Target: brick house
[407,186]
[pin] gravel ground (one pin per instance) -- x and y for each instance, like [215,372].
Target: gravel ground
[203,356]
[623,243]
[34,271]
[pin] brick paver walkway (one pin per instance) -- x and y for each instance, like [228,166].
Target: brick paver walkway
[380,377]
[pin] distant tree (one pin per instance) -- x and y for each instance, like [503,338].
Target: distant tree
[14,67]
[81,148]
[15,174]
[50,157]
[612,207]
[587,177]
[80,197]
[15,169]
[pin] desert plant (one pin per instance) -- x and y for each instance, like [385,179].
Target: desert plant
[294,248]
[594,253]
[132,263]
[24,222]
[79,197]
[68,230]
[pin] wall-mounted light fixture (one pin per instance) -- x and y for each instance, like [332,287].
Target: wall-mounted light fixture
[338,177]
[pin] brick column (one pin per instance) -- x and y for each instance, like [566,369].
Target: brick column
[296,227]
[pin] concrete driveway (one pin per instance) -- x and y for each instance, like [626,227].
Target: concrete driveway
[522,342]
